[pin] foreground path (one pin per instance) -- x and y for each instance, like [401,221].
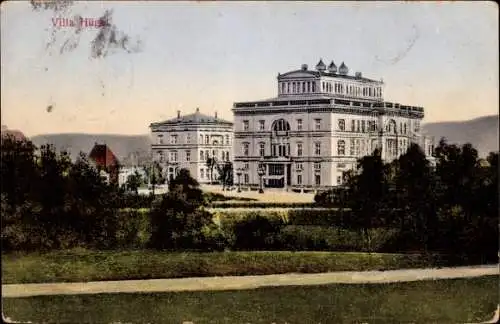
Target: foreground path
[244,282]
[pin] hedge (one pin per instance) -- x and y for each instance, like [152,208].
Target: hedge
[260,204]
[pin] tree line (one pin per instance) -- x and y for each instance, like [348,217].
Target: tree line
[450,207]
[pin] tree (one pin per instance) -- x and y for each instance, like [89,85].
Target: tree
[134,181]
[415,194]
[177,220]
[366,193]
[225,172]
[211,164]
[154,174]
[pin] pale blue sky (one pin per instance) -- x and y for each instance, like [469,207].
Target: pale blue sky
[209,55]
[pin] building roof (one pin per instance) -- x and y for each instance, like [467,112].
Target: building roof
[102,156]
[195,118]
[324,73]
[16,134]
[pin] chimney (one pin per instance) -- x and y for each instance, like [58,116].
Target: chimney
[216,115]
[197,109]
[178,114]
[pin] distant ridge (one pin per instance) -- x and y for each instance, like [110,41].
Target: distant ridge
[481,132]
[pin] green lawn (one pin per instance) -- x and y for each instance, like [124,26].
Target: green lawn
[83,265]
[443,301]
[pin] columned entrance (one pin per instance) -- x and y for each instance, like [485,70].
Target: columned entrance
[278,175]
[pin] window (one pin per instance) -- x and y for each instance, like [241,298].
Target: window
[282,87]
[404,128]
[293,87]
[341,147]
[352,147]
[299,149]
[261,125]
[303,87]
[262,150]
[299,166]
[202,173]
[246,178]
[317,148]
[317,124]
[358,128]
[358,148]
[341,125]
[227,140]
[246,166]
[245,125]
[188,155]
[353,125]
[173,139]
[308,86]
[188,139]
[363,126]
[417,126]
[288,87]
[160,139]
[281,125]
[173,156]
[299,124]
[201,155]
[339,180]
[160,156]
[207,139]
[207,153]
[299,179]
[245,149]
[317,166]
[317,179]
[201,139]
[314,87]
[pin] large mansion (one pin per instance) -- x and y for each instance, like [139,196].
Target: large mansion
[319,124]
[188,141]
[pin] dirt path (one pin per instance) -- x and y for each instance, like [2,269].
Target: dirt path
[244,282]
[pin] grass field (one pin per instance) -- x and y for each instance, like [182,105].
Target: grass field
[443,301]
[84,265]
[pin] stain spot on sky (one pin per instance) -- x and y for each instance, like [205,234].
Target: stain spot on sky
[49,108]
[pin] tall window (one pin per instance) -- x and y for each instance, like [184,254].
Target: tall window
[160,139]
[281,125]
[188,155]
[317,179]
[246,178]
[299,166]
[341,147]
[352,148]
[245,149]
[173,156]
[317,124]
[261,125]
[288,87]
[353,125]
[317,166]
[358,128]
[313,86]
[303,87]
[299,179]
[202,173]
[299,149]
[160,156]
[341,125]
[201,139]
[173,139]
[404,128]
[202,156]
[308,86]
[188,139]
[317,148]
[245,125]
[363,126]
[282,87]
[227,139]
[293,86]
[207,139]
[358,148]
[262,149]
[299,124]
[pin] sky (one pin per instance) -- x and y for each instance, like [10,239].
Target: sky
[439,55]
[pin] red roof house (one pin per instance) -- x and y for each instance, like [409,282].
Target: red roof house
[104,159]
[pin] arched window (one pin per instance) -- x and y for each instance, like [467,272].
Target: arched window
[281,125]
[342,125]
[341,147]
[392,126]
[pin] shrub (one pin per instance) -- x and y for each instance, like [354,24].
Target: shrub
[256,233]
[259,204]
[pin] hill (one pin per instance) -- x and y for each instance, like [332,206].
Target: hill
[124,146]
[481,132]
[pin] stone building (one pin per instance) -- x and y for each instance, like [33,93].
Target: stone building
[186,142]
[317,127]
